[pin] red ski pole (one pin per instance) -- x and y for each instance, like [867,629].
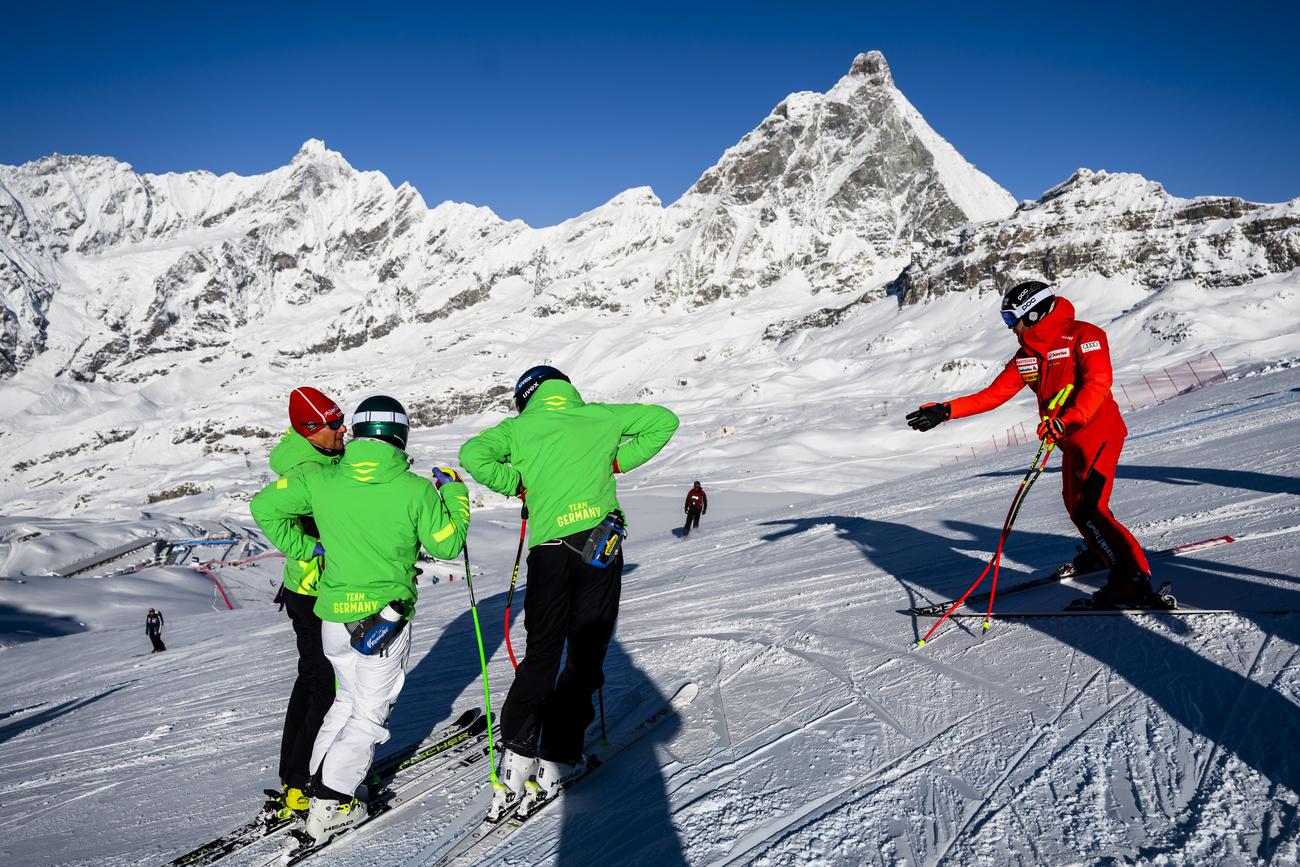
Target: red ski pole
[1027,482]
[514,579]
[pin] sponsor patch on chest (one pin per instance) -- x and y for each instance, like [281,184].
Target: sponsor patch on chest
[1090,346]
[1028,368]
[1056,354]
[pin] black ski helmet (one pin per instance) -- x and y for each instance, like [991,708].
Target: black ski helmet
[532,378]
[1030,301]
[383,418]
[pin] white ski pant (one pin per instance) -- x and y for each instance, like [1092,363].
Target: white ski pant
[357,721]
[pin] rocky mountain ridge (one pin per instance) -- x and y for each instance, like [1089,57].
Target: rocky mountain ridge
[824,191]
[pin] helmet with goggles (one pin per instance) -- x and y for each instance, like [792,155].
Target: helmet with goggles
[1029,302]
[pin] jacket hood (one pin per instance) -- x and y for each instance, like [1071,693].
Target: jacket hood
[1039,336]
[552,395]
[373,462]
[294,449]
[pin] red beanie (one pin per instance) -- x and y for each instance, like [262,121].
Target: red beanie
[309,410]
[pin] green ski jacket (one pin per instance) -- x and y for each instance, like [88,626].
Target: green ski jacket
[564,453]
[293,458]
[373,516]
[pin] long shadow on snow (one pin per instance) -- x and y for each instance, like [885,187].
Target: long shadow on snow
[1264,483]
[1247,719]
[19,625]
[450,666]
[621,814]
[13,729]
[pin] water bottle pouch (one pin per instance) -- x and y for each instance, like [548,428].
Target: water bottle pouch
[605,541]
[372,635]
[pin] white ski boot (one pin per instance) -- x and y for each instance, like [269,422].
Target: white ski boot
[549,781]
[512,775]
[327,818]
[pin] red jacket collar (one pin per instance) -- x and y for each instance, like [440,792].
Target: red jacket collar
[1040,336]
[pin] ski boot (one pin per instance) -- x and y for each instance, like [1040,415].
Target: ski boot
[289,802]
[1086,561]
[513,775]
[1127,591]
[328,817]
[550,780]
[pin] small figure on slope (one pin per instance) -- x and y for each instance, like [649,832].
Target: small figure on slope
[153,624]
[562,454]
[1058,350]
[373,515]
[314,441]
[697,503]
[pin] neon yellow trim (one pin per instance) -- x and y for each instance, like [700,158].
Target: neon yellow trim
[281,484]
[444,532]
[921,643]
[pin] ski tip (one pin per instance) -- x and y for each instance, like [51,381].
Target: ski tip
[920,643]
[685,694]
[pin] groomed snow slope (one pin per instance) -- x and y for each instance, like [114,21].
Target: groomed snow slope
[818,736]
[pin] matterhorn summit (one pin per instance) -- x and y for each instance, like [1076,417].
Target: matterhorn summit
[830,185]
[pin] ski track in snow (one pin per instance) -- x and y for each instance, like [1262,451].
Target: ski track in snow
[819,735]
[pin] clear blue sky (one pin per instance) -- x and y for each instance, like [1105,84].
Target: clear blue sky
[541,111]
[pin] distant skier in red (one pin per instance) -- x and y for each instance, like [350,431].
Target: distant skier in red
[697,503]
[1057,350]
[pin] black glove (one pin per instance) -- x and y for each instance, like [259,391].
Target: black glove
[928,416]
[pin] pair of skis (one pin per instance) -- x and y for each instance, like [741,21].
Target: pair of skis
[470,836]
[301,846]
[467,729]
[1067,571]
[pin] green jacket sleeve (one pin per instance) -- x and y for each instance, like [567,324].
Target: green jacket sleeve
[647,429]
[444,520]
[486,457]
[274,509]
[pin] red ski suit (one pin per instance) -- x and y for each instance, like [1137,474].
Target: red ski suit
[1057,351]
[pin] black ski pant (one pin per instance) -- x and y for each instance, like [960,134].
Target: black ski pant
[156,638]
[313,692]
[568,604]
[692,520]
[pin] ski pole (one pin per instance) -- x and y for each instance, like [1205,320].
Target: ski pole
[514,579]
[482,661]
[1022,493]
[1031,476]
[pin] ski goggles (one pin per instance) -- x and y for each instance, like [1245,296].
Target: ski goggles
[332,425]
[1015,314]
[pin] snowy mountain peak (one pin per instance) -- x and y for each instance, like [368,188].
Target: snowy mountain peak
[856,170]
[872,65]
[1117,187]
[313,150]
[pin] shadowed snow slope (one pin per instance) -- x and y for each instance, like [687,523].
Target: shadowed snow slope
[819,735]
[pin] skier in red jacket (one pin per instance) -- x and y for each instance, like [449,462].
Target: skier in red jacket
[1057,350]
[697,503]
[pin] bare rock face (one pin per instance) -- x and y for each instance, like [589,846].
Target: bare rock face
[1112,224]
[825,190]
